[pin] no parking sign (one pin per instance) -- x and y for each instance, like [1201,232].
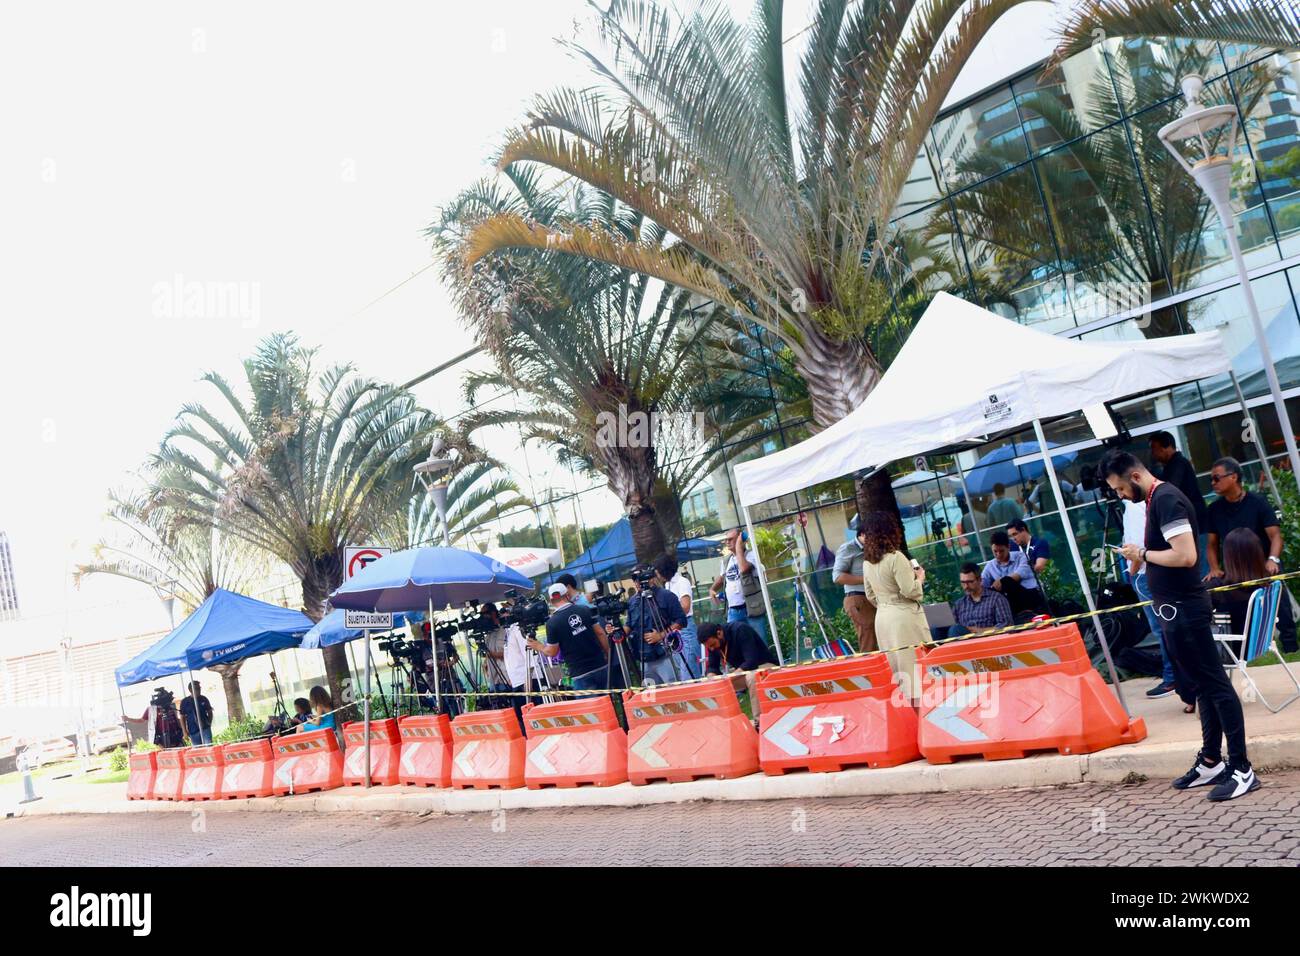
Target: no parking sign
[354,559]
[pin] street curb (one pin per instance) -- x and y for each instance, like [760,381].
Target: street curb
[1116,765]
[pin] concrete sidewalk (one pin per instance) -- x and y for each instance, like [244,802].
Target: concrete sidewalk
[1172,741]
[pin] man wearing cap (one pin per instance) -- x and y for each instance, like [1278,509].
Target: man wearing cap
[848,572]
[574,630]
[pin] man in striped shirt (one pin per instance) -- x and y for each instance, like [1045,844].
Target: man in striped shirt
[978,610]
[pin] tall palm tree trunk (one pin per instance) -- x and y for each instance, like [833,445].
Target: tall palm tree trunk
[229,674]
[318,582]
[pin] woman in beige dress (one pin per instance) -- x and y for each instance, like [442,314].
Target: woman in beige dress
[895,587]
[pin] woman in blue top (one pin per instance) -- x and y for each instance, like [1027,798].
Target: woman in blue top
[321,706]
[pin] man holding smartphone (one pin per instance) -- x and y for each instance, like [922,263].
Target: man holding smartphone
[1171,553]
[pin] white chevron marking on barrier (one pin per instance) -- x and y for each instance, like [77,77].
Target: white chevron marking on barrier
[408,757]
[462,758]
[538,756]
[645,747]
[945,716]
[356,762]
[228,776]
[779,732]
[284,772]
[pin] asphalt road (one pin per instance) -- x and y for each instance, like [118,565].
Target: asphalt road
[1141,824]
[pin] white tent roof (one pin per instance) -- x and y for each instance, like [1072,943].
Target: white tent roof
[964,373]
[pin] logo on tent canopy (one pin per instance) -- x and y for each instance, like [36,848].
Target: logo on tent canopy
[995,410]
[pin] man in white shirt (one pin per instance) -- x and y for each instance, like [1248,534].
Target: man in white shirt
[739,577]
[680,585]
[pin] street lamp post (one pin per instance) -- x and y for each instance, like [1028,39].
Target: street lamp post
[433,473]
[1207,127]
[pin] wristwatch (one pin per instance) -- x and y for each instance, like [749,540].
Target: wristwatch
[1274,560]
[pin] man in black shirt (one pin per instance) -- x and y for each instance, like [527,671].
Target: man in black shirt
[740,646]
[1178,471]
[574,631]
[1180,599]
[1238,508]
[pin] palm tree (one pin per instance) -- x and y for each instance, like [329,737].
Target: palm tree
[601,354]
[299,475]
[785,216]
[180,559]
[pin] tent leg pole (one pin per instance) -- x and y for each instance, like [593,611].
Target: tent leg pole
[366,709]
[970,507]
[1078,562]
[126,728]
[762,583]
[1255,435]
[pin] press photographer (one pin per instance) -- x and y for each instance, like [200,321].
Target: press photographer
[573,630]
[654,618]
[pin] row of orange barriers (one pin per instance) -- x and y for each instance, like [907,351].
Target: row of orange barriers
[995,698]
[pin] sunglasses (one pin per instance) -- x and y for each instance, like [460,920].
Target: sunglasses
[1215,479]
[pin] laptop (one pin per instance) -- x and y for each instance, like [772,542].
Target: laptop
[939,616]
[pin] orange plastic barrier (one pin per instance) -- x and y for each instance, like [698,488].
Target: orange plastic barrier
[385,753]
[140,781]
[681,732]
[574,742]
[426,750]
[1008,696]
[306,762]
[201,777]
[249,769]
[843,713]
[167,781]
[487,750]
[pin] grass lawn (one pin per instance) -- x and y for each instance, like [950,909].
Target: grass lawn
[98,768]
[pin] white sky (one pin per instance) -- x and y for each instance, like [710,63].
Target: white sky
[297,148]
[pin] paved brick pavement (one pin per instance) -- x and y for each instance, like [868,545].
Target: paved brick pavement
[1143,824]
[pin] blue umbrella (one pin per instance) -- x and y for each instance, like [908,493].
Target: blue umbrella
[331,629]
[997,467]
[428,577]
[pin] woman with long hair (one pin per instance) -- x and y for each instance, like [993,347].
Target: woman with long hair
[895,585]
[322,706]
[1243,560]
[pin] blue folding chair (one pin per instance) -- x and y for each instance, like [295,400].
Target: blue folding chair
[836,648]
[1261,622]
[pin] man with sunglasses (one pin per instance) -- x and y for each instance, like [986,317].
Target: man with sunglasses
[1238,508]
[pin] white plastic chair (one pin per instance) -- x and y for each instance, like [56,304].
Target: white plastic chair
[1261,622]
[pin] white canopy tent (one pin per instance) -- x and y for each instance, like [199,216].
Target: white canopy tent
[965,373]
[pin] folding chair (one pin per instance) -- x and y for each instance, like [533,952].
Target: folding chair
[1261,622]
[836,648]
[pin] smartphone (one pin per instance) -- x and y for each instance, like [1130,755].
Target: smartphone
[916,565]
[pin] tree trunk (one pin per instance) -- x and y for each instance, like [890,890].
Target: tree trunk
[876,494]
[319,580]
[230,684]
[668,511]
[647,534]
[839,375]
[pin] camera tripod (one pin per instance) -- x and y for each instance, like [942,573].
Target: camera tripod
[803,598]
[672,641]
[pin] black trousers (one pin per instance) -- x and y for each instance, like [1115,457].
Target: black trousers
[1190,644]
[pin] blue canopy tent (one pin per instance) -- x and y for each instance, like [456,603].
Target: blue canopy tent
[614,555]
[226,627]
[331,629]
